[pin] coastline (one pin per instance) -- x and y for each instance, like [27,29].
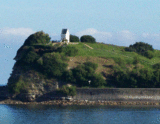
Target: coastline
[83,102]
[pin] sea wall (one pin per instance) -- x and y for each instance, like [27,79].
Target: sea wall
[118,94]
[95,94]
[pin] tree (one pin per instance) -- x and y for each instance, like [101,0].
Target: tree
[149,54]
[136,60]
[84,73]
[88,38]
[54,64]
[74,38]
[37,38]
[68,91]
[30,57]
[97,80]
[156,66]
[142,48]
[91,64]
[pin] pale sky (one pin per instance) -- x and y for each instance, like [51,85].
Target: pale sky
[119,22]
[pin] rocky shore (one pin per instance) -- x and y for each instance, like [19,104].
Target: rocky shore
[83,102]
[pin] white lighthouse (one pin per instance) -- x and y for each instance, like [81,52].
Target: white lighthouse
[65,36]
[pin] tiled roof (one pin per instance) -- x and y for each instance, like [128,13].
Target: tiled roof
[64,31]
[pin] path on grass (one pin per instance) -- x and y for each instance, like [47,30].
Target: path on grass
[88,46]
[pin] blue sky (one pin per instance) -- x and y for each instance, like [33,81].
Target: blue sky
[119,22]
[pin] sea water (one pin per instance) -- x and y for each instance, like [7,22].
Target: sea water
[49,114]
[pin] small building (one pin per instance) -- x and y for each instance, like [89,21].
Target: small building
[65,36]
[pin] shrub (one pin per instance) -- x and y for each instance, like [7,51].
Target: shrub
[141,48]
[68,91]
[74,38]
[137,78]
[121,62]
[145,79]
[68,77]
[156,66]
[68,50]
[30,57]
[149,54]
[54,64]
[136,60]
[37,38]
[97,81]
[80,75]
[120,77]
[17,87]
[88,38]
[157,78]
[91,64]
[85,73]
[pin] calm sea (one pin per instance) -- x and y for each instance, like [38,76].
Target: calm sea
[48,114]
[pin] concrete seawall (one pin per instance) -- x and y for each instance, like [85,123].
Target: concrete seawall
[118,94]
[98,94]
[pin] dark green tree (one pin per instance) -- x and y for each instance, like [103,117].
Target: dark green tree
[30,57]
[91,64]
[149,54]
[88,38]
[68,76]
[142,48]
[37,38]
[156,66]
[136,60]
[80,75]
[97,80]
[74,38]
[85,75]
[54,64]
[68,91]
[157,78]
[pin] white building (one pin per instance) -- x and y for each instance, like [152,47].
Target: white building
[65,35]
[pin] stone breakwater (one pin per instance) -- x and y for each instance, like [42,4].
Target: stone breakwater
[118,94]
[84,102]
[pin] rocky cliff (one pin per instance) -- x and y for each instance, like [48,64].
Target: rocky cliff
[32,74]
[30,83]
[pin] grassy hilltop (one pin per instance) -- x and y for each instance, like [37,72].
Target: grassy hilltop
[85,64]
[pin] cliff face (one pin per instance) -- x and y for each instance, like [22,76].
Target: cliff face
[36,69]
[29,85]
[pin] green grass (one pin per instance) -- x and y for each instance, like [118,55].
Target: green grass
[114,52]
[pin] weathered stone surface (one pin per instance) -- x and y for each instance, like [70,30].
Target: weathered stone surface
[118,94]
[35,84]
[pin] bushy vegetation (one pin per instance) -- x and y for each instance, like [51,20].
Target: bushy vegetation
[68,50]
[84,75]
[68,91]
[53,64]
[88,38]
[16,86]
[30,57]
[74,38]
[149,54]
[156,66]
[142,48]
[136,78]
[120,61]
[37,38]
[136,60]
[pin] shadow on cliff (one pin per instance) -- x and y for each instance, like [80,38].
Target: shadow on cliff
[54,95]
[3,93]
[109,79]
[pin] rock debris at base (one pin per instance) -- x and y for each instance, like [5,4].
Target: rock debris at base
[83,102]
